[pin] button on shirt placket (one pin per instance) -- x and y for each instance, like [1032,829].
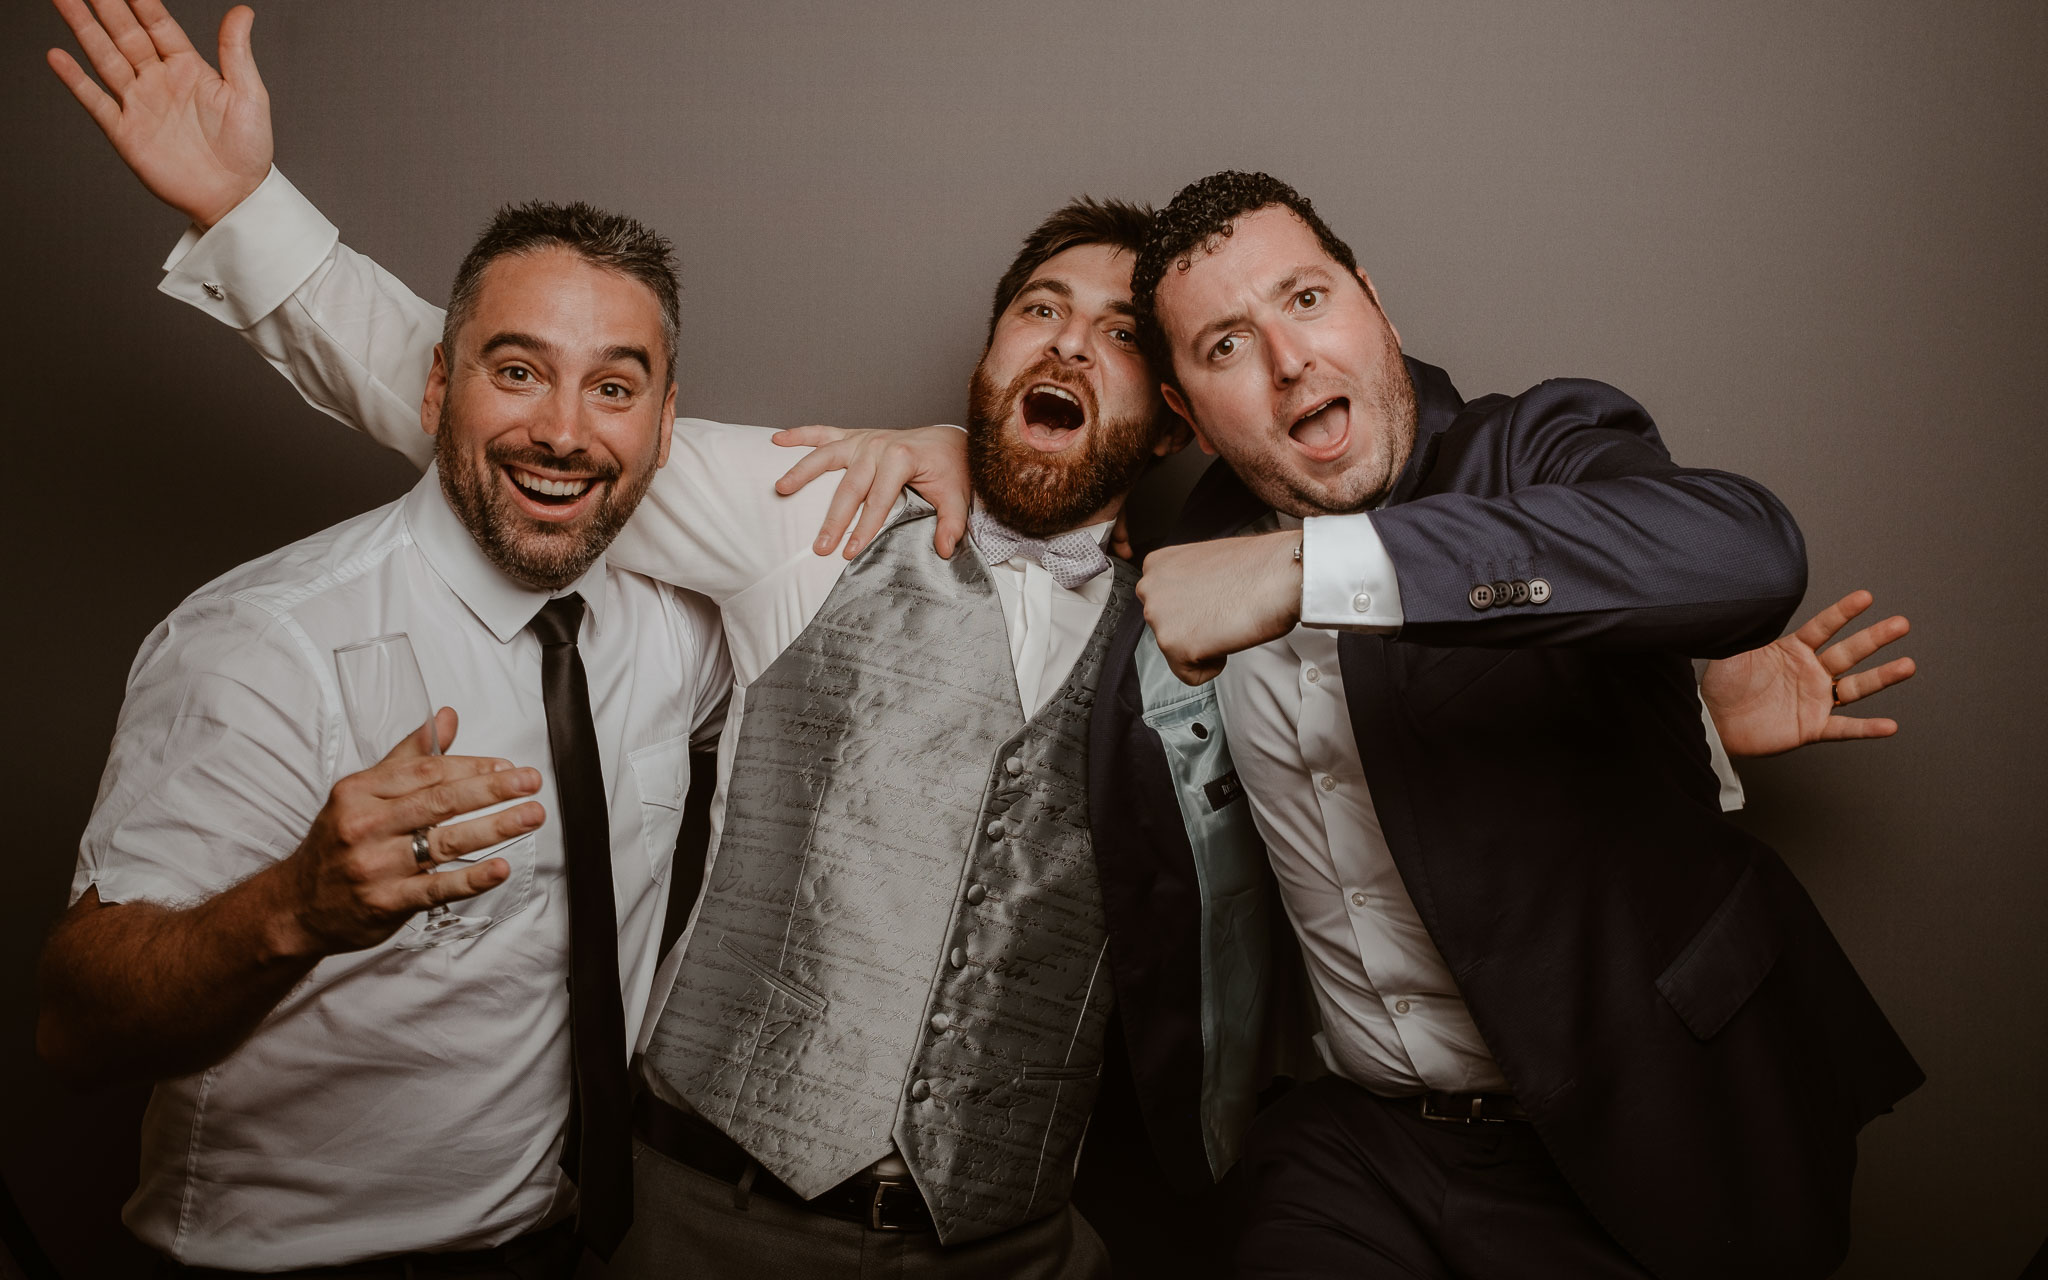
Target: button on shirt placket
[1367,883]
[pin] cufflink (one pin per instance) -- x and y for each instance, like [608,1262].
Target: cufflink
[214,291]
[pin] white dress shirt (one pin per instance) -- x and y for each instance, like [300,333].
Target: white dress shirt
[358,345]
[1392,1017]
[398,1099]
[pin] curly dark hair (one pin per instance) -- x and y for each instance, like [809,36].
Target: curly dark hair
[1197,219]
[1087,220]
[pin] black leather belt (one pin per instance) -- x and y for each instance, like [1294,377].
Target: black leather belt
[877,1203]
[1471,1108]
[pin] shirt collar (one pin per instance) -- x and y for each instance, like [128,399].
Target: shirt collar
[501,602]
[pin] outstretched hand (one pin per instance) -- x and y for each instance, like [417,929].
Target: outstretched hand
[1785,695]
[878,466]
[200,141]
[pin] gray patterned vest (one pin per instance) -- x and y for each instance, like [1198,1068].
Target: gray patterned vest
[901,943]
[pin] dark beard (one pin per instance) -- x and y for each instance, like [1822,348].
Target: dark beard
[545,557]
[1040,494]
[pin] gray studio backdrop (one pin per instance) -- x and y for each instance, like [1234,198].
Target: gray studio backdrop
[1810,240]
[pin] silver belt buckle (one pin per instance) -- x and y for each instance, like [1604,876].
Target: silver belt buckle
[875,1194]
[1478,1115]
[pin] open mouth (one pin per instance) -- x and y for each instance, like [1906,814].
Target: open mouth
[1053,416]
[1324,431]
[549,493]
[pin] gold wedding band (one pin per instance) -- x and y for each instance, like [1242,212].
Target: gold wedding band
[1835,691]
[422,852]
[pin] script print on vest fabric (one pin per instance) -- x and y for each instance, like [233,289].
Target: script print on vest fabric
[901,942]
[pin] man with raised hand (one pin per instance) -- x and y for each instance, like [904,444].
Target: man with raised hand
[889,1019]
[1576,1024]
[833,663]
[342,1081]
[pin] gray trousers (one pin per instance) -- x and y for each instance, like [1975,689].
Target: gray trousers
[685,1227]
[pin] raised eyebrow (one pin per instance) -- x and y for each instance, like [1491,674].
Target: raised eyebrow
[1051,285]
[499,341]
[1298,277]
[627,352]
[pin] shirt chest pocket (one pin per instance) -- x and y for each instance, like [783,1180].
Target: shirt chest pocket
[661,774]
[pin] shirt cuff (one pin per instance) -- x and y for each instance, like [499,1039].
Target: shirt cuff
[1731,797]
[245,267]
[1347,580]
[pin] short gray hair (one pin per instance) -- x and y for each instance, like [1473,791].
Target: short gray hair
[611,241]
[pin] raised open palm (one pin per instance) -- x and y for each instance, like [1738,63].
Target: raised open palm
[200,141]
[1784,695]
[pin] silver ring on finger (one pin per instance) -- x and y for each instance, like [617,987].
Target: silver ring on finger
[422,852]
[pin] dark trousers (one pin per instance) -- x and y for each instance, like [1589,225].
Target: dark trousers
[1341,1182]
[687,1225]
[552,1254]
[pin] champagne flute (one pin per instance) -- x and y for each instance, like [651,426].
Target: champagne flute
[386,699]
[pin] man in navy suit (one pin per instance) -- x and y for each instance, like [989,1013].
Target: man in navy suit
[1573,1022]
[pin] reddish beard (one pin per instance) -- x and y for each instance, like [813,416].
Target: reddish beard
[1040,494]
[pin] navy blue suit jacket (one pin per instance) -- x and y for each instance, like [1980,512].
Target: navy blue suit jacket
[1691,1043]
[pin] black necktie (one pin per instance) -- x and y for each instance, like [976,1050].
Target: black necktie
[597,1152]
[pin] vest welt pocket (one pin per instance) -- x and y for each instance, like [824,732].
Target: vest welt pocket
[809,999]
[1062,1071]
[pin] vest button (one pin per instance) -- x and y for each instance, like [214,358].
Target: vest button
[995,830]
[959,957]
[941,1024]
[975,894]
[920,1091]
[1014,765]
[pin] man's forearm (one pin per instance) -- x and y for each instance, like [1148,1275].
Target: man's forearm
[141,991]
[350,336]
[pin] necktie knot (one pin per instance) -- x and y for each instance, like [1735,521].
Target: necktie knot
[1070,558]
[558,620]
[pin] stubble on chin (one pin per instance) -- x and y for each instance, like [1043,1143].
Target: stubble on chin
[544,557]
[1277,481]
